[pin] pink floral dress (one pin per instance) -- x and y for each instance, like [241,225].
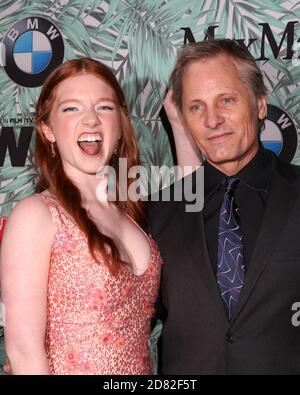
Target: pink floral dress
[96,323]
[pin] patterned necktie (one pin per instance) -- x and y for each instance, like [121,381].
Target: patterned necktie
[231,269]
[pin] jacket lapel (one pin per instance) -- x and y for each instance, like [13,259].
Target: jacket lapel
[279,207]
[198,253]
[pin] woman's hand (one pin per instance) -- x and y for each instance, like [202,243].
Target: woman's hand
[6,367]
[173,114]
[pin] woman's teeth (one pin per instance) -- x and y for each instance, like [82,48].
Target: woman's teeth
[90,137]
[90,144]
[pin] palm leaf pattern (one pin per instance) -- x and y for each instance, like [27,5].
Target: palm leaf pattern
[139,40]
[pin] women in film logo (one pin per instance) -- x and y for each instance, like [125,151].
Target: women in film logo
[32,48]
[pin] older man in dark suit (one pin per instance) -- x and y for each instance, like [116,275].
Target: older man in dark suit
[232,271]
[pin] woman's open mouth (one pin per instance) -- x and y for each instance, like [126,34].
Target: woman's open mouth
[90,143]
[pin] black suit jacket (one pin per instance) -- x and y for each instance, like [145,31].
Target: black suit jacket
[197,337]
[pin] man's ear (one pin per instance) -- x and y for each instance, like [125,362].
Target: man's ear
[262,106]
[47,132]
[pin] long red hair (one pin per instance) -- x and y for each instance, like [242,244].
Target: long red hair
[52,174]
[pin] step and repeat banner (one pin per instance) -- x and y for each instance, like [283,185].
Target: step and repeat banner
[139,40]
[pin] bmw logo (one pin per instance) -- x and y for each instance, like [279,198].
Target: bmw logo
[280,134]
[33,48]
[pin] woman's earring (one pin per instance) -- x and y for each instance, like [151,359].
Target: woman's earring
[116,151]
[53,153]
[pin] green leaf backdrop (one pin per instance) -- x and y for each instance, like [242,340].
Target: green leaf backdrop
[139,40]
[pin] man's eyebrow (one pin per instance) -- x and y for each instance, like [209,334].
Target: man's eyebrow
[233,92]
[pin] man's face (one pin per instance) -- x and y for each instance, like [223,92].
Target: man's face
[221,113]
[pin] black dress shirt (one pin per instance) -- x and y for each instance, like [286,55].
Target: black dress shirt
[250,196]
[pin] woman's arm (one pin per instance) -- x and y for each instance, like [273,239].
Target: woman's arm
[188,154]
[24,257]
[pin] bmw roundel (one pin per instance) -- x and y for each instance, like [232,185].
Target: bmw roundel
[280,134]
[33,48]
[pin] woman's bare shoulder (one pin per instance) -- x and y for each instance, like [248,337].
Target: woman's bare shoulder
[30,212]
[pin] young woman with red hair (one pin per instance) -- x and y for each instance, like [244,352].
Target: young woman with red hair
[79,276]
